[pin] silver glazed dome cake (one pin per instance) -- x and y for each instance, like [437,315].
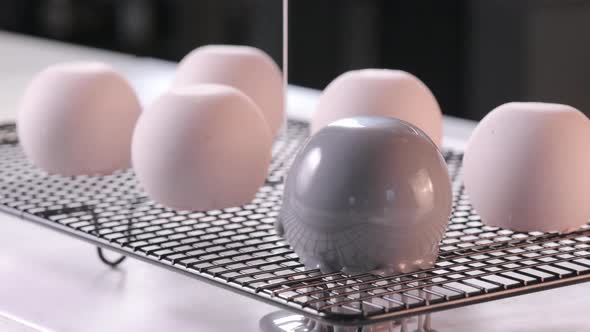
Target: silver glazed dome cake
[367,194]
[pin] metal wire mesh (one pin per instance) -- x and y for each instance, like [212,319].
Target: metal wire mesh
[237,248]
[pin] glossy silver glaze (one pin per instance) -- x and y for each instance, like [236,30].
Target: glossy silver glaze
[367,194]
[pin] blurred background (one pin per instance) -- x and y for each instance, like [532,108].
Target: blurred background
[473,54]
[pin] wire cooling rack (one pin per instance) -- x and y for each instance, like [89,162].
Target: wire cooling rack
[238,249]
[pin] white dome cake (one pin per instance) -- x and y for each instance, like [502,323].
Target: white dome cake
[245,68]
[367,194]
[380,92]
[202,147]
[526,167]
[78,119]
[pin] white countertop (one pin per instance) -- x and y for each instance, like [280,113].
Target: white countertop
[57,283]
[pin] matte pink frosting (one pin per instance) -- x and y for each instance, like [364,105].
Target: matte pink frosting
[78,119]
[245,68]
[527,167]
[380,92]
[202,147]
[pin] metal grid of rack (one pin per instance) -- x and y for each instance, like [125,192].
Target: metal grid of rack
[238,249]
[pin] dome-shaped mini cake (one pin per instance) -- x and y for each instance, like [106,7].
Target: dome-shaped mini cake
[202,147]
[78,119]
[380,92]
[526,167]
[245,68]
[366,194]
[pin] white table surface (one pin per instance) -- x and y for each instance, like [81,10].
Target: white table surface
[56,283]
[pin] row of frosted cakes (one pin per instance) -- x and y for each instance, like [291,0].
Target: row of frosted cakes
[368,192]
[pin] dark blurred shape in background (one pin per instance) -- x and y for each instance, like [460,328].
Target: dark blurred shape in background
[474,54]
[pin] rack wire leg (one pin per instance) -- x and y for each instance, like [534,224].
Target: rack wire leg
[425,321]
[404,321]
[380,327]
[111,263]
[339,298]
[115,263]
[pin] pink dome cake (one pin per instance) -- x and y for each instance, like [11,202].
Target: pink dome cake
[202,147]
[380,92]
[526,167]
[78,119]
[245,68]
